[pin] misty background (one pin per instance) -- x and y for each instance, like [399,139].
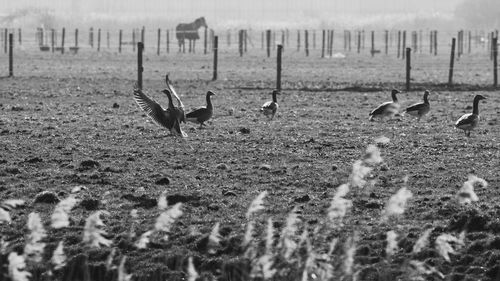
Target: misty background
[315,14]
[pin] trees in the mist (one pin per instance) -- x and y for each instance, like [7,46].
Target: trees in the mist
[479,13]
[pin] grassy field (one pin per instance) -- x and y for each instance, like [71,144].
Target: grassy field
[69,121]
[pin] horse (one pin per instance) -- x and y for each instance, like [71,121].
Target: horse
[189,31]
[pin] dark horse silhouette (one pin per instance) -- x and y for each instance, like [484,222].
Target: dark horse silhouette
[189,31]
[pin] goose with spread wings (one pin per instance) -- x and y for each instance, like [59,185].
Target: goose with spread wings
[169,118]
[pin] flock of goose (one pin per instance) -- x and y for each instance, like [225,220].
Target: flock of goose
[466,122]
[171,117]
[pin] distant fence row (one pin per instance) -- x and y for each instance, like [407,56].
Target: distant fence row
[324,42]
[316,43]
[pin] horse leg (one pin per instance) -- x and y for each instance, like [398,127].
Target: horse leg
[194,43]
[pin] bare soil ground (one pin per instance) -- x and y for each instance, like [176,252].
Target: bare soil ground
[71,120]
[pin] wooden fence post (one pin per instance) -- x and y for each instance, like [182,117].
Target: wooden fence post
[215,49]
[314,39]
[373,43]
[52,39]
[495,63]
[240,42]
[76,37]
[140,69]
[306,42]
[168,41]
[99,40]
[386,39]
[158,43]
[331,43]
[435,42]
[268,42]
[452,61]
[62,40]
[278,68]
[408,68]
[120,36]
[11,54]
[91,37]
[359,42]
[323,45]
[404,43]
[469,41]
[20,37]
[399,43]
[431,41]
[133,40]
[245,40]
[205,42]
[298,40]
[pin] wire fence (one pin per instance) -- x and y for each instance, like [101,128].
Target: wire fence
[350,56]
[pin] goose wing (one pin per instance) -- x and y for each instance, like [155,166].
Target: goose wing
[467,121]
[200,113]
[174,93]
[381,109]
[153,109]
[418,108]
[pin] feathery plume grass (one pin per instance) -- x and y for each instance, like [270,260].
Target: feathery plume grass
[214,238]
[358,174]
[58,257]
[60,217]
[419,268]
[466,194]
[256,205]
[17,267]
[269,236]
[339,205]
[133,225]
[162,201]
[444,247]
[166,219]
[350,250]
[5,216]
[92,234]
[372,156]
[143,241]
[397,203]
[422,241]
[109,260]
[33,249]
[247,239]
[191,270]
[392,244]
[287,243]
[122,274]
[332,245]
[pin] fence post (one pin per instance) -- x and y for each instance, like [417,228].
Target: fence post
[452,61]
[404,44]
[120,36]
[386,39]
[140,69]
[359,41]
[20,37]
[314,39]
[268,42]
[91,37]
[408,68]
[216,49]
[158,45]
[62,40]
[373,43]
[306,42]
[52,38]
[11,55]
[245,40]
[76,37]
[469,39]
[168,41]
[133,40]
[435,42]
[240,42]
[278,68]
[298,40]
[98,39]
[331,42]
[323,45]
[431,41]
[495,63]
[205,43]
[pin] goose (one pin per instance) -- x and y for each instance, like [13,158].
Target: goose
[470,121]
[419,109]
[387,109]
[168,118]
[270,107]
[202,114]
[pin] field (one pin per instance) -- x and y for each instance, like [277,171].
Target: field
[70,121]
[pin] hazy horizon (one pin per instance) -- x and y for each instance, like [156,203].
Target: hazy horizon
[228,12]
